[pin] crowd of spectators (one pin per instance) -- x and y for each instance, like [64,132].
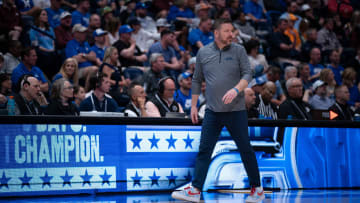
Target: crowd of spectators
[62,57]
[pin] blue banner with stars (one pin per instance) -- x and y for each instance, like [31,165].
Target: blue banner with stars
[69,159]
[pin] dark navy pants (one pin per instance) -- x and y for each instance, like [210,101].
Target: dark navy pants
[237,124]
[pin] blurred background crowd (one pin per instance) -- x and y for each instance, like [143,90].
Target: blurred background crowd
[62,57]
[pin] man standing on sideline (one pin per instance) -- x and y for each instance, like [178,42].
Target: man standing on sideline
[226,70]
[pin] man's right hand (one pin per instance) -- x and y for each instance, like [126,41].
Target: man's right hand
[194,115]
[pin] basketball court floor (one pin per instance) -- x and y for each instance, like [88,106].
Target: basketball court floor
[296,196]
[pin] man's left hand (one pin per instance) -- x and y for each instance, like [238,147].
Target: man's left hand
[229,96]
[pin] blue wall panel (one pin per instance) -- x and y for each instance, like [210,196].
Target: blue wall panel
[73,159]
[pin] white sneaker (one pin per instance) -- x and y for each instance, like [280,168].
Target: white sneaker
[188,194]
[256,195]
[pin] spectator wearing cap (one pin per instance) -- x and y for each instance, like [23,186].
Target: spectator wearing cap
[162,24]
[143,38]
[201,36]
[172,65]
[54,13]
[130,55]
[147,23]
[292,32]
[294,107]
[10,16]
[180,11]
[63,32]
[293,9]
[320,100]
[201,11]
[163,101]
[257,84]
[80,49]
[99,46]
[273,74]
[151,78]
[335,66]
[308,15]
[126,13]
[81,15]
[183,94]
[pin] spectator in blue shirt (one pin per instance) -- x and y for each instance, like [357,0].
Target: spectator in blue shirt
[27,66]
[98,101]
[81,15]
[257,14]
[314,64]
[273,74]
[172,65]
[26,7]
[99,46]
[335,66]
[254,11]
[79,49]
[201,36]
[183,94]
[54,13]
[179,11]
[42,36]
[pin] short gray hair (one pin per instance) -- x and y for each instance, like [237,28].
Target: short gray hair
[290,68]
[290,81]
[154,57]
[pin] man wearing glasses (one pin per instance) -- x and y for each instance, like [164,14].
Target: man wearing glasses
[294,107]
